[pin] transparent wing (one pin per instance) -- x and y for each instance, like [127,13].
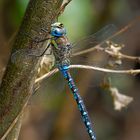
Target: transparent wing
[54,90]
[26,54]
[83,53]
[91,41]
[51,91]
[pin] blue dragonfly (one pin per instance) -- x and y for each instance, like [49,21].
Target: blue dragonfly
[62,51]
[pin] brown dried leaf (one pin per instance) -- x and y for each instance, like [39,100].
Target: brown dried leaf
[120,100]
[45,65]
[114,48]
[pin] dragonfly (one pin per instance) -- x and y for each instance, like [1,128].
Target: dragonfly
[62,51]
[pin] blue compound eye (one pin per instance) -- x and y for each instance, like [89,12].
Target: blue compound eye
[55,31]
[58,32]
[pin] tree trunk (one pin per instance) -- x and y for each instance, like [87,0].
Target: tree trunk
[19,77]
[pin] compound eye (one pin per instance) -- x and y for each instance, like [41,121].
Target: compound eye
[55,31]
[59,32]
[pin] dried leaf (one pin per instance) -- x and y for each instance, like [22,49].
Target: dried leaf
[45,65]
[114,48]
[120,100]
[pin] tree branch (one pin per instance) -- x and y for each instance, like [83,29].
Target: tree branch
[52,72]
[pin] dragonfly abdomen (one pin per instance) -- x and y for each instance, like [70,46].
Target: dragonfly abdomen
[85,117]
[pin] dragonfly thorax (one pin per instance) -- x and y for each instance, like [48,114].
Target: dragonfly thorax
[61,50]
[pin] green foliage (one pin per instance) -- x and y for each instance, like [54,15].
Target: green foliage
[18,11]
[76,18]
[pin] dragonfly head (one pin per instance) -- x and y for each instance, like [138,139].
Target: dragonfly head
[58,29]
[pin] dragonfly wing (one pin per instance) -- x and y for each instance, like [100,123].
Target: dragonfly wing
[93,58]
[25,54]
[51,91]
[91,41]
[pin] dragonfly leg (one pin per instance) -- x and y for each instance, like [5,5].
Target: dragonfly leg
[37,39]
[40,55]
[41,40]
[44,30]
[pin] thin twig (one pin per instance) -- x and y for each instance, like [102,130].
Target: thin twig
[123,56]
[106,70]
[52,72]
[15,120]
[99,48]
[64,4]
[88,68]
[87,50]
[119,55]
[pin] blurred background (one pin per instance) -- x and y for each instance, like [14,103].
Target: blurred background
[52,113]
